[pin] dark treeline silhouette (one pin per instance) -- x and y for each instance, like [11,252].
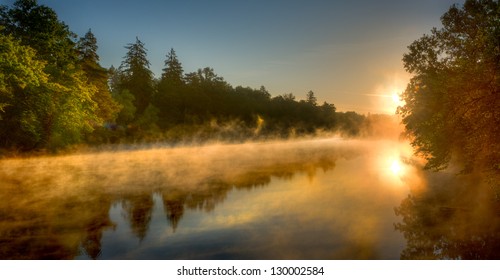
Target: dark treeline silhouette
[54,93]
[451,111]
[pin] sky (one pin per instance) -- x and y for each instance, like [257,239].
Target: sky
[348,53]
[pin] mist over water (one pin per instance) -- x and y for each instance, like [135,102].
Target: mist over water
[325,198]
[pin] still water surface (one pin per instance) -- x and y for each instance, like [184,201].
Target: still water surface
[310,199]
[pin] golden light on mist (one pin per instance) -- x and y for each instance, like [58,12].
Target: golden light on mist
[396,167]
[389,92]
[395,98]
[392,165]
[395,170]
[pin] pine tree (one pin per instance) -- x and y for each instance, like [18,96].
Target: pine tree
[136,75]
[170,97]
[173,72]
[97,76]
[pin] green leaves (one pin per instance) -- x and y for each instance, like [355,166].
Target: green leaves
[455,85]
[136,76]
[97,77]
[45,99]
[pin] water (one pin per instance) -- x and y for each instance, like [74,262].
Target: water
[309,199]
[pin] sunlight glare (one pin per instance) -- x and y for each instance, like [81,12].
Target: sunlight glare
[395,98]
[396,167]
[390,91]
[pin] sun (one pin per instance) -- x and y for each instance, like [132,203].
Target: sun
[395,98]
[396,167]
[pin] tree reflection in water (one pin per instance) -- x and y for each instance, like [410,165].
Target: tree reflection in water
[458,219]
[61,215]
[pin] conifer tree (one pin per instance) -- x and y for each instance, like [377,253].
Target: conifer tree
[173,72]
[170,97]
[137,78]
[97,76]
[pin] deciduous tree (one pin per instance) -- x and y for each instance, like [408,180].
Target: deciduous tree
[452,100]
[50,107]
[97,76]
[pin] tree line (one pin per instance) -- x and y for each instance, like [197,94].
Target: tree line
[55,93]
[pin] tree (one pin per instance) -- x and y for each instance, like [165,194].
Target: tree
[50,107]
[136,75]
[126,101]
[173,72]
[208,94]
[38,113]
[20,71]
[327,115]
[205,76]
[452,99]
[311,99]
[169,98]
[38,26]
[289,97]
[97,76]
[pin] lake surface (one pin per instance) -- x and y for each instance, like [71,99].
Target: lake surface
[308,199]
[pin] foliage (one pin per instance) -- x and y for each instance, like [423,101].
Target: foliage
[96,76]
[54,92]
[452,100]
[20,74]
[173,72]
[170,92]
[136,76]
[19,69]
[47,102]
[37,112]
[126,101]
[37,26]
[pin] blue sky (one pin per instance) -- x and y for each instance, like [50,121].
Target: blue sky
[348,52]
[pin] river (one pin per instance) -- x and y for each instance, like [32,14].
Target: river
[323,198]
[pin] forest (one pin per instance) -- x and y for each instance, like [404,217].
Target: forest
[54,94]
[57,98]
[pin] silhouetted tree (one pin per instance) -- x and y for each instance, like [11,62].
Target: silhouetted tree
[349,123]
[327,114]
[173,72]
[311,98]
[136,77]
[170,98]
[452,99]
